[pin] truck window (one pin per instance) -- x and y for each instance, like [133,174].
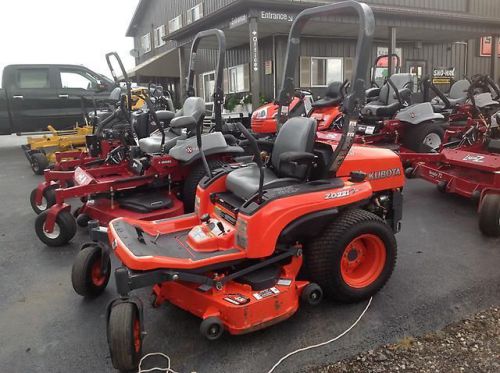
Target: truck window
[77,80]
[33,78]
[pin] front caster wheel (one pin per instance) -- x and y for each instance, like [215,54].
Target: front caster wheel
[489,215]
[212,328]
[83,220]
[124,336]
[48,199]
[312,294]
[87,274]
[39,162]
[64,229]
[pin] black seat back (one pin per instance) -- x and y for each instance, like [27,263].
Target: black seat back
[296,135]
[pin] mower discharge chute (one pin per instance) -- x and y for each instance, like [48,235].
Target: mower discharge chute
[154,180]
[320,207]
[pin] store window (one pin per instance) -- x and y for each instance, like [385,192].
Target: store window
[175,24]
[146,43]
[320,71]
[208,86]
[77,80]
[238,78]
[194,14]
[159,33]
[33,78]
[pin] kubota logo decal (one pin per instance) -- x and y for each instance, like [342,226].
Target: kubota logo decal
[474,158]
[384,174]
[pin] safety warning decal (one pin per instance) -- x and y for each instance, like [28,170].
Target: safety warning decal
[266,293]
[237,299]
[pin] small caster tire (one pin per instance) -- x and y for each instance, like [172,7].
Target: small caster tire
[312,294]
[39,163]
[124,333]
[410,172]
[48,199]
[87,277]
[212,328]
[83,220]
[442,186]
[64,229]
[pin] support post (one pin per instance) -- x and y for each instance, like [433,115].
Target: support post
[495,74]
[182,73]
[254,62]
[392,50]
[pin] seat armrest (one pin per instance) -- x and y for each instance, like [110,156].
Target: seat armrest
[165,116]
[297,157]
[183,122]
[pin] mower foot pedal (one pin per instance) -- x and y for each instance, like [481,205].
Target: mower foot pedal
[204,288]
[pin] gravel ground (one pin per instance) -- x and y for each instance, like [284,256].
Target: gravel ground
[470,345]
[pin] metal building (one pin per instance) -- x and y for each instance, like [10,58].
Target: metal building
[458,37]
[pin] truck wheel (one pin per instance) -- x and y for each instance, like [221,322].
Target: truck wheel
[424,137]
[354,256]
[87,277]
[124,336]
[48,199]
[64,229]
[191,183]
[39,162]
[489,215]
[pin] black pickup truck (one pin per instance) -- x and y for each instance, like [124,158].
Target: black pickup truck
[34,96]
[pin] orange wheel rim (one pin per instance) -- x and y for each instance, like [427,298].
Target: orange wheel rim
[96,275]
[363,261]
[137,336]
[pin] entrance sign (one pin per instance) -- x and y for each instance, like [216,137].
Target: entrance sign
[276,16]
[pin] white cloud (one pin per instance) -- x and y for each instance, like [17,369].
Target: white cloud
[66,31]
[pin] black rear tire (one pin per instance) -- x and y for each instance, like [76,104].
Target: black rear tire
[489,215]
[191,183]
[39,162]
[49,195]
[416,136]
[323,256]
[124,340]
[86,276]
[65,229]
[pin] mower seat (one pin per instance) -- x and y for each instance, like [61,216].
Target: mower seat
[192,112]
[152,144]
[457,95]
[387,105]
[296,137]
[332,97]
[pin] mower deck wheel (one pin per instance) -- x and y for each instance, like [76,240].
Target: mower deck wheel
[409,172]
[39,162]
[124,336]
[489,215]
[64,229]
[191,183]
[83,220]
[442,186]
[87,276]
[312,294]
[212,328]
[48,199]
[354,256]
[423,137]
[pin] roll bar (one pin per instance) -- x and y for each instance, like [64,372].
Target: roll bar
[398,65]
[219,71]
[353,102]
[124,74]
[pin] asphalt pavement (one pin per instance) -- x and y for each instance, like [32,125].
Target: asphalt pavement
[445,271]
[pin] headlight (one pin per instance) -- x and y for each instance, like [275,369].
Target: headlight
[260,114]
